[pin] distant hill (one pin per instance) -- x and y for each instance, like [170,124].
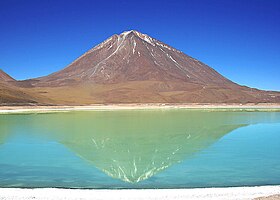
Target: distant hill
[5,77]
[135,68]
[12,94]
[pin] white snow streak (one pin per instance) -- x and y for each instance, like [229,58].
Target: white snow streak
[134,45]
[149,40]
[124,34]
[153,55]
[176,63]
[156,63]
[167,47]
[119,43]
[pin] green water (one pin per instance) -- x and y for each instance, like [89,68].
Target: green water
[140,149]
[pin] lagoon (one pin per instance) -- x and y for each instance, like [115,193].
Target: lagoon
[140,149]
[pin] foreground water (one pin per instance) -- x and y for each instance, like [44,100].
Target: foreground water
[140,149]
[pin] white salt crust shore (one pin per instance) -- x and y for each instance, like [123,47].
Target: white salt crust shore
[235,193]
[221,107]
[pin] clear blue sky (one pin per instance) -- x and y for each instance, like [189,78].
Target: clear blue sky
[238,38]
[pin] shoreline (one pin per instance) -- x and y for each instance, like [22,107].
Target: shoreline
[153,194]
[103,107]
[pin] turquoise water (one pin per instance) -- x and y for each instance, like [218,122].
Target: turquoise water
[140,149]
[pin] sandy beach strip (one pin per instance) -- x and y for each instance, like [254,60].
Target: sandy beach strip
[138,194]
[221,107]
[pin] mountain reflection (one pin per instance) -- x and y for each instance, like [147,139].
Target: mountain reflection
[134,145]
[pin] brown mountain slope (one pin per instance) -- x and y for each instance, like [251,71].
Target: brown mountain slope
[5,77]
[152,92]
[12,94]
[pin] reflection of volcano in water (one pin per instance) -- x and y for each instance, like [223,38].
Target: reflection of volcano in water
[135,145]
[135,158]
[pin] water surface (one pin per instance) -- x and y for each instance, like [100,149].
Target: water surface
[140,149]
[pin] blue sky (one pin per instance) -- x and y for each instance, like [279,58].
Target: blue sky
[238,38]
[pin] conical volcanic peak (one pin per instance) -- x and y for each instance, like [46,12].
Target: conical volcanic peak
[132,67]
[133,56]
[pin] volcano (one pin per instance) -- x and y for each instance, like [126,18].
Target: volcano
[133,56]
[133,67]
